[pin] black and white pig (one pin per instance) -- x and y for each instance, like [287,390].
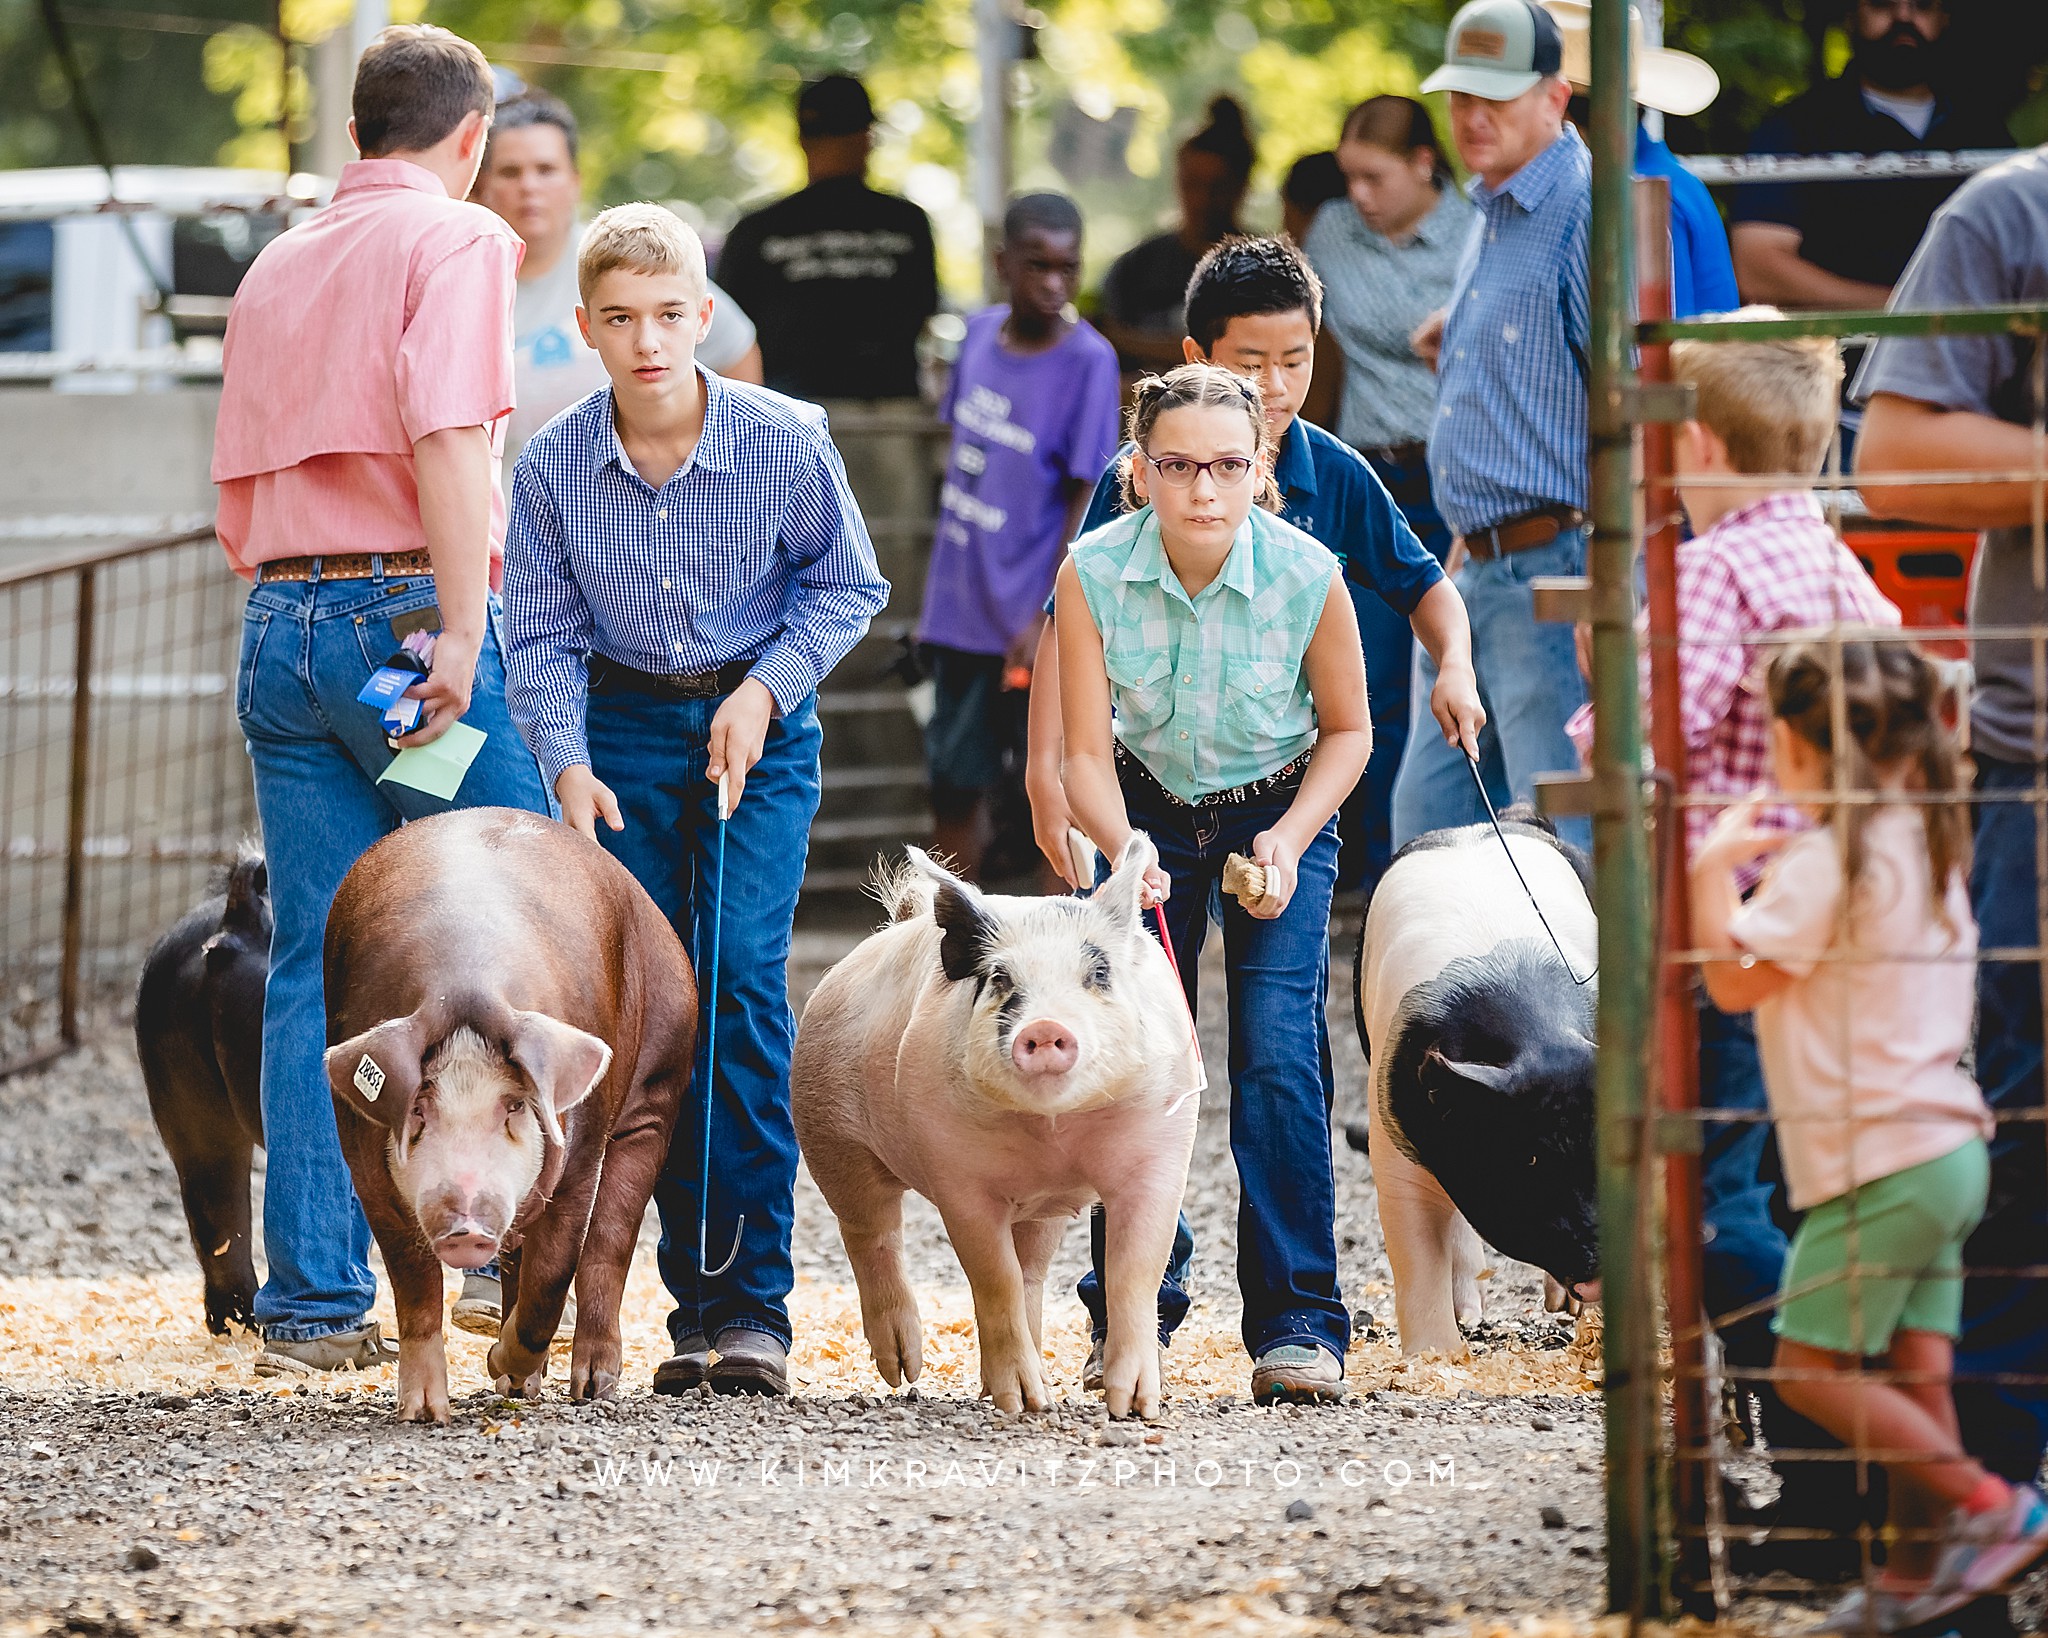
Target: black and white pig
[199,1036]
[1482,1069]
[1013,1060]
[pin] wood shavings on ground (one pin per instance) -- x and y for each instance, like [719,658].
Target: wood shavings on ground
[1257,1617]
[143,1333]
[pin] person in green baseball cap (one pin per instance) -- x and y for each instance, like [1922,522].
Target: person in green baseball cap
[1499,49]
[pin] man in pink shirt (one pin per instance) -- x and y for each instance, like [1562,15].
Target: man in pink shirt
[367,378]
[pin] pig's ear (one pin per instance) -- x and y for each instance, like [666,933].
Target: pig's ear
[1118,897]
[563,1062]
[377,1073]
[1494,1077]
[962,917]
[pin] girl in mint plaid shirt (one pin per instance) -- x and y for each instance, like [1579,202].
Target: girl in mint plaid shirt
[1225,644]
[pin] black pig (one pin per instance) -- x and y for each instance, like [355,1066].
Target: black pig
[199,1034]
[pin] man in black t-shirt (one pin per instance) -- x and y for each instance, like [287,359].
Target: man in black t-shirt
[839,279]
[1843,244]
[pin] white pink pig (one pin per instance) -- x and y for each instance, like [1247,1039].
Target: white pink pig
[1013,1060]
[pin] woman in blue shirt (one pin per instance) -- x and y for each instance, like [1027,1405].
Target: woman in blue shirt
[1210,629]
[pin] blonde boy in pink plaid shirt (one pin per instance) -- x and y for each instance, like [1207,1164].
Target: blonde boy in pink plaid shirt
[1762,558]
[1762,561]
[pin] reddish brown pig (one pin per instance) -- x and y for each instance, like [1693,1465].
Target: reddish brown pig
[511,1024]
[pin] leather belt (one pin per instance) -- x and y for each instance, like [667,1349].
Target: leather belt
[608,676]
[1277,779]
[345,566]
[1396,454]
[1523,531]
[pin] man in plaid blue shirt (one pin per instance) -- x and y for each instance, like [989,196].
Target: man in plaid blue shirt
[1507,448]
[686,564]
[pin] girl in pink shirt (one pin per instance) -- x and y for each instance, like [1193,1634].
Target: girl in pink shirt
[1857,952]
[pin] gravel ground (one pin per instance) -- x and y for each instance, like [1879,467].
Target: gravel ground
[148,1478]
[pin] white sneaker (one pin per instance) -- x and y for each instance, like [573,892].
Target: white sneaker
[1988,1551]
[481,1309]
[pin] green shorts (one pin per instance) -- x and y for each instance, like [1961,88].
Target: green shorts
[1907,1240]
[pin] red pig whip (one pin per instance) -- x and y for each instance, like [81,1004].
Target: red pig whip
[1194,1040]
[711,1054]
[1082,852]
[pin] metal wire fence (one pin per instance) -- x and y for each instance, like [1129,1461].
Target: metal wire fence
[1742,1510]
[123,781]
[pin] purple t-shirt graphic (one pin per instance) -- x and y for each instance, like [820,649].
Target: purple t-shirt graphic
[1023,426]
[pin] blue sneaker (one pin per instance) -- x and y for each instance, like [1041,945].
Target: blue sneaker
[1866,1610]
[1989,1550]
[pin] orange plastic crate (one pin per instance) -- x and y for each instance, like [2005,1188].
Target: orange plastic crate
[1926,572]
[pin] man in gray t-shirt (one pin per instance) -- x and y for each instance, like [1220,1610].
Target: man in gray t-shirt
[1969,404]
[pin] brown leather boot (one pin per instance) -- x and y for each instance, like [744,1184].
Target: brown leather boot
[749,1362]
[689,1365]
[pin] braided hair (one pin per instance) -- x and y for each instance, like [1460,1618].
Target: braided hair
[1200,386]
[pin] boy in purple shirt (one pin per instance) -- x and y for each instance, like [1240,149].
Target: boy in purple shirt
[1033,403]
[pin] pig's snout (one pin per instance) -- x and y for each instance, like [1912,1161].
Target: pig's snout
[1044,1047]
[465,1228]
[466,1243]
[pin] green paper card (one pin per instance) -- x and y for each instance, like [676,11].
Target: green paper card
[438,768]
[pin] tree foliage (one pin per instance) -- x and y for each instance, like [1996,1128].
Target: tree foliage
[690,100]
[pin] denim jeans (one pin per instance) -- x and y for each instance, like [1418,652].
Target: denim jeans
[1529,682]
[307,649]
[2005,1320]
[1365,822]
[652,753]
[1280,1078]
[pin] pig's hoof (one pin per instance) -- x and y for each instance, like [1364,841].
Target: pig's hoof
[521,1387]
[898,1342]
[592,1382]
[424,1407]
[1132,1387]
[1014,1387]
[514,1376]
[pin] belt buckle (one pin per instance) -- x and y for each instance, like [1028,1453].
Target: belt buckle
[695,685]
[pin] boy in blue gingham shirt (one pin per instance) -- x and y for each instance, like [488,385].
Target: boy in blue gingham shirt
[686,563]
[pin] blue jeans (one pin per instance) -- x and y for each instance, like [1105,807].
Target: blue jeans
[2005,1320]
[1173,1286]
[652,753]
[1365,823]
[307,649]
[1744,1243]
[1280,1078]
[1529,682]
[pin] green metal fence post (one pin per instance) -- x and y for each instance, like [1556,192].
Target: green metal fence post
[1619,849]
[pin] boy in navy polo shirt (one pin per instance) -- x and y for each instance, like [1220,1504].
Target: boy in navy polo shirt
[1254,305]
[686,564]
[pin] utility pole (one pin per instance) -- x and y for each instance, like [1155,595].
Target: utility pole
[284,84]
[995,44]
[334,78]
